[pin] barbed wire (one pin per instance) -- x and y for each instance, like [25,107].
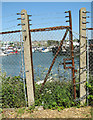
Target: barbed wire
[50,13]
[3,29]
[49,18]
[54,22]
[13,20]
[11,15]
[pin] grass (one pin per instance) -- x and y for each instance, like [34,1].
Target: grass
[20,112]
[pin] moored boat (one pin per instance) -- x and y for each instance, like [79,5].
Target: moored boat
[2,53]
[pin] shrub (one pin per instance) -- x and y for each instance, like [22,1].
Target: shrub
[90,89]
[12,92]
[57,94]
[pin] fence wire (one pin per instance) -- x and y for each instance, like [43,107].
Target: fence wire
[58,90]
[11,54]
[90,68]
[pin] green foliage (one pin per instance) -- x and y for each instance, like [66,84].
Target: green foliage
[55,95]
[12,92]
[31,108]
[20,111]
[90,89]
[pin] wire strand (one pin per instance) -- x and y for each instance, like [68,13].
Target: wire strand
[49,23]
[10,27]
[7,16]
[10,21]
[49,18]
[50,13]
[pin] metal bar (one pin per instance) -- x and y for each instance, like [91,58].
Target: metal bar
[54,59]
[49,28]
[65,63]
[72,54]
[68,63]
[39,29]
[67,59]
[10,32]
[89,28]
[68,67]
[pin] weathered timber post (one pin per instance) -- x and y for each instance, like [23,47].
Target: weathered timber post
[82,72]
[28,56]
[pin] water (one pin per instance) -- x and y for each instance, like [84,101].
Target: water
[12,65]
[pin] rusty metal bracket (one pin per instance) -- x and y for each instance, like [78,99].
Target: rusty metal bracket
[67,63]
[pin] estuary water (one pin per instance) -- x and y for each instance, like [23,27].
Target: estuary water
[12,65]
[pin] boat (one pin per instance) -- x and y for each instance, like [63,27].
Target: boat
[64,51]
[50,79]
[2,53]
[33,50]
[39,49]
[45,50]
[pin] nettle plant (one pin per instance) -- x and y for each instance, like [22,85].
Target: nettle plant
[55,95]
[12,91]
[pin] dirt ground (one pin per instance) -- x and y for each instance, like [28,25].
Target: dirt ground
[73,112]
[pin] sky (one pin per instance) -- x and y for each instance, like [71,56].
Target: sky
[44,14]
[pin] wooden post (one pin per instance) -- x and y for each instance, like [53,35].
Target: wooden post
[28,57]
[82,31]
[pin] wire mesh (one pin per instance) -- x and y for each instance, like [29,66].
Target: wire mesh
[45,46]
[90,69]
[55,92]
[10,54]
[12,70]
[58,90]
[12,61]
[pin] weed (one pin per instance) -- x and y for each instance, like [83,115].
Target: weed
[20,112]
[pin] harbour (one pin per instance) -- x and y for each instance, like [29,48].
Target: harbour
[12,64]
